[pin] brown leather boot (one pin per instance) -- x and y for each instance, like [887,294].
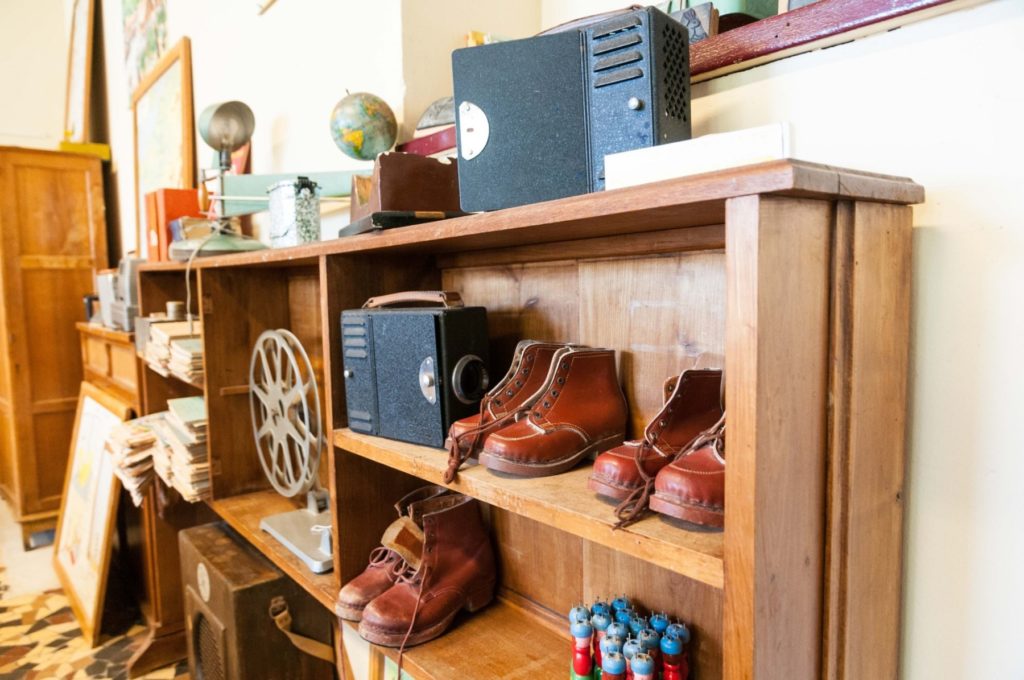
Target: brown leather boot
[693,487]
[581,411]
[386,565]
[693,404]
[516,391]
[451,567]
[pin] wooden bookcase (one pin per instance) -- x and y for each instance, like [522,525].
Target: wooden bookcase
[796,275]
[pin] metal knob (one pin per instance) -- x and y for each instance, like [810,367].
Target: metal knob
[635,103]
[426,380]
[347,373]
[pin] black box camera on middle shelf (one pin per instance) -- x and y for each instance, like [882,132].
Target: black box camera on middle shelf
[410,372]
[536,117]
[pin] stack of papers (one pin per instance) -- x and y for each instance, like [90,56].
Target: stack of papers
[182,461]
[186,360]
[159,350]
[131,444]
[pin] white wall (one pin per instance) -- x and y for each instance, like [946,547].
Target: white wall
[33,72]
[941,101]
[290,65]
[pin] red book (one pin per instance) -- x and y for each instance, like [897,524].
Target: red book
[163,206]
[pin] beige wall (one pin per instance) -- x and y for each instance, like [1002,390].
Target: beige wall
[33,67]
[941,101]
[290,65]
[431,30]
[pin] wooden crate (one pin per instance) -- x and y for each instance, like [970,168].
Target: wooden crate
[795,275]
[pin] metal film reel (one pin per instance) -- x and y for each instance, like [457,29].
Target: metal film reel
[285,405]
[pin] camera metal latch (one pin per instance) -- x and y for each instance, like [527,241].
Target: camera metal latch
[428,380]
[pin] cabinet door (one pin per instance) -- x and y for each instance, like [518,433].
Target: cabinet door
[53,239]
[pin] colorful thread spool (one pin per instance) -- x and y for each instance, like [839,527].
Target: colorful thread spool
[582,663]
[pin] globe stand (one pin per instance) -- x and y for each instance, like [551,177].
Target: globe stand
[285,405]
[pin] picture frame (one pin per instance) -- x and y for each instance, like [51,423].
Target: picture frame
[79,78]
[88,510]
[163,131]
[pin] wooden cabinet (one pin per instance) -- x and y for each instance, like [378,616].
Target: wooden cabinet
[796,275]
[52,240]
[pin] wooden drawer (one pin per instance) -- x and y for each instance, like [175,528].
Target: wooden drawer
[110,362]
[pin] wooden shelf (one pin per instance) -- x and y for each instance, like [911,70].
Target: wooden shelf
[562,501]
[244,512]
[693,201]
[500,641]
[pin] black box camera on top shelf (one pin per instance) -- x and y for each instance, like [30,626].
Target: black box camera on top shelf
[410,372]
[536,117]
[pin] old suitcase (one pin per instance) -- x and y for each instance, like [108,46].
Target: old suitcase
[228,591]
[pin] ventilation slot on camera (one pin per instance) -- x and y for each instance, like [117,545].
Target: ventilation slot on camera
[622,65]
[675,80]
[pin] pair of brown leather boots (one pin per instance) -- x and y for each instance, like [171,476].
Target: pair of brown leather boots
[556,405]
[681,458]
[434,560]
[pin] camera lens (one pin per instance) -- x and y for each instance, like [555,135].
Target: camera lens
[469,379]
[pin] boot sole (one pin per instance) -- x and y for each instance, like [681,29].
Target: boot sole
[346,613]
[499,464]
[475,601]
[609,490]
[688,512]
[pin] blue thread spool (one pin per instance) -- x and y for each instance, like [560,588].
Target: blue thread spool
[600,607]
[671,645]
[642,666]
[620,603]
[612,664]
[680,631]
[659,622]
[611,643]
[579,613]
[617,629]
[637,623]
[630,648]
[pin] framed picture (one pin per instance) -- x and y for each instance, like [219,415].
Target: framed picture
[163,125]
[77,90]
[145,36]
[88,511]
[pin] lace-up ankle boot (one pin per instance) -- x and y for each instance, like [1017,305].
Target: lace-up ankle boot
[502,404]
[385,563]
[581,411]
[692,405]
[693,487]
[450,567]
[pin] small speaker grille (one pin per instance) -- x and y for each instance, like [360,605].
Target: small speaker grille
[210,664]
[675,81]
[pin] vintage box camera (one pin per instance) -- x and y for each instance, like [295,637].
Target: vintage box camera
[536,117]
[412,371]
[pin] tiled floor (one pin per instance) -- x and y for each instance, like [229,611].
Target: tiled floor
[39,638]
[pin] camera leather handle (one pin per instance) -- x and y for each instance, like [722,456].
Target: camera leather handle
[449,299]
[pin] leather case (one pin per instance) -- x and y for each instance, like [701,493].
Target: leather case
[406,182]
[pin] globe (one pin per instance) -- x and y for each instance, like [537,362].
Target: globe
[363,125]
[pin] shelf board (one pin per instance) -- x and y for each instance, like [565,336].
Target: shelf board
[243,514]
[562,501]
[695,201]
[500,641]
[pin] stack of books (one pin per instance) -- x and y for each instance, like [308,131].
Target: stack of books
[182,461]
[131,444]
[161,335]
[186,360]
